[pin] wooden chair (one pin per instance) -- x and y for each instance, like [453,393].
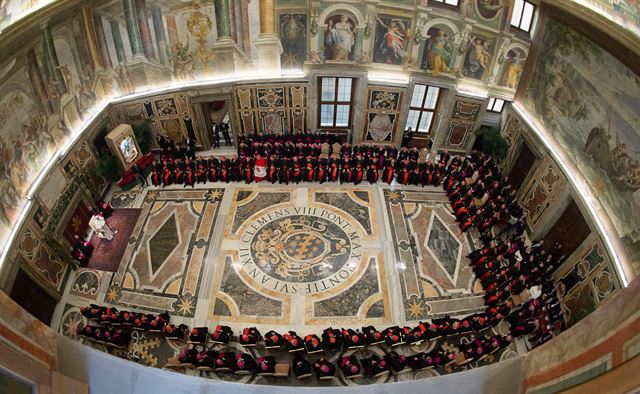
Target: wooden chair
[173,364]
[281,371]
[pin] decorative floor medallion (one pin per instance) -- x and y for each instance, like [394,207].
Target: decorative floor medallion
[297,246]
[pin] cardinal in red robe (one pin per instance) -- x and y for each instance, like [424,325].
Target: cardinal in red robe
[260,169]
[387,175]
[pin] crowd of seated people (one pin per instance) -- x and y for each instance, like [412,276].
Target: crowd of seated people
[505,266]
[110,326]
[283,160]
[517,278]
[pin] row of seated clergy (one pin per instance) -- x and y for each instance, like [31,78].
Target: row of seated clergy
[351,367]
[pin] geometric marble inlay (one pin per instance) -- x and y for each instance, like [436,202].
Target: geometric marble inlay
[435,279]
[163,243]
[444,246]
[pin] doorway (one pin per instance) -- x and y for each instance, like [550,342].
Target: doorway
[571,229]
[521,166]
[217,112]
[35,300]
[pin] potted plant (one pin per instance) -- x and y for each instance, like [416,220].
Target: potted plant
[107,167]
[490,141]
[142,132]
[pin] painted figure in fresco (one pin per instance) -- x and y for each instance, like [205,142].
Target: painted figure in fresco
[439,50]
[512,71]
[9,200]
[294,41]
[339,37]
[618,163]
[488,9]
[85,98]
[66,76]
[476,61]
[392,46]
[364,58]
[183,63]
[52,91]
[125,80]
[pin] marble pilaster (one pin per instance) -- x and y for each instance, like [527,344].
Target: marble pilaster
[117,42]
[102,42]
[267,17]
[158,27]
[52,59]
[223,22]
[143,28]
[268,44]
[89,32]
[246,35]
[35,76]
[133,31]
[172,30]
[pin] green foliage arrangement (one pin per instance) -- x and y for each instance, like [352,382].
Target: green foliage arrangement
[107,167]
[142,132]
[492,142]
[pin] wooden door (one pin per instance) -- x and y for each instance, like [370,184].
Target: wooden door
[570,230]
[521,166]
[29,295]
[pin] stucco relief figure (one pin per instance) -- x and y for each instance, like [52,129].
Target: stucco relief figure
[477,59]
[183,63]
[124,79]
[439,52]
[339,37]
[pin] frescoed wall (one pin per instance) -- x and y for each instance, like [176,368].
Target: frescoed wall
[591,103]
[12,10]
[623,12]
[56,73]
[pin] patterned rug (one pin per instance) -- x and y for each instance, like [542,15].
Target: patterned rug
[107,254]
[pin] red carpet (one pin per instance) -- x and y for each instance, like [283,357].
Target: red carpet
[107,254]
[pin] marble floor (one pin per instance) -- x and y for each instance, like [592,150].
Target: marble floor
[299,257]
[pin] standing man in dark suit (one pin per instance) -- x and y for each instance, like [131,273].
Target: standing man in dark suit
[215,134]
[190,142]
[225,134]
